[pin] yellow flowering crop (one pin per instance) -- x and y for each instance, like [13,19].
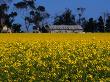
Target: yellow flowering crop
[54,57]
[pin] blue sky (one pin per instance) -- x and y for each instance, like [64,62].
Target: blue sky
[94,8]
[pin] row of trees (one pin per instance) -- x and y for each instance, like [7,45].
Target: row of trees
[90,25]
[99,25]
[37,14]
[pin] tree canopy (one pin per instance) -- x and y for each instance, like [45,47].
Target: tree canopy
[66,18]
[36,13]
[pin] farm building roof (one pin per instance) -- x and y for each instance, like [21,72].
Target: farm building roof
[65,27]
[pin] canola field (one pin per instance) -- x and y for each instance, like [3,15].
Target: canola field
[55,57]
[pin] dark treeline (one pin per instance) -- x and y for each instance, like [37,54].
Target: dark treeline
[36,15]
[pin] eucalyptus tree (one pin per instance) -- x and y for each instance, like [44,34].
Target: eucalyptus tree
[66,18]
[6,18]
[34,14]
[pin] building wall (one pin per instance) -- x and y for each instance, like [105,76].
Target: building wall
[78,31]
[66,31]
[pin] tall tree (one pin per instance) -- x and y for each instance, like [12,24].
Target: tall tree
[36,13]
[108,24]
[100,24]
[67,18]
[91,25]
[5,17]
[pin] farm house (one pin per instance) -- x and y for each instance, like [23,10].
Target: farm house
[65,29]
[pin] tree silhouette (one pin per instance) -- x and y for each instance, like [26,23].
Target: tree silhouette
[108,24]
[16,28]
[91,26]
[20,5]
[3,14]
[80,13]
[100,24]
[84,22]
[36,13]
[5,17]
[67,18]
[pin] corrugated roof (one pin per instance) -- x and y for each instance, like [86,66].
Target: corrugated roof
[65,27]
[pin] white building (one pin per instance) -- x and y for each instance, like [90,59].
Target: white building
[6,30]
[65,29]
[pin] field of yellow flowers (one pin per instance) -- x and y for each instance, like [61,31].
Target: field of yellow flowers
[55,57]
